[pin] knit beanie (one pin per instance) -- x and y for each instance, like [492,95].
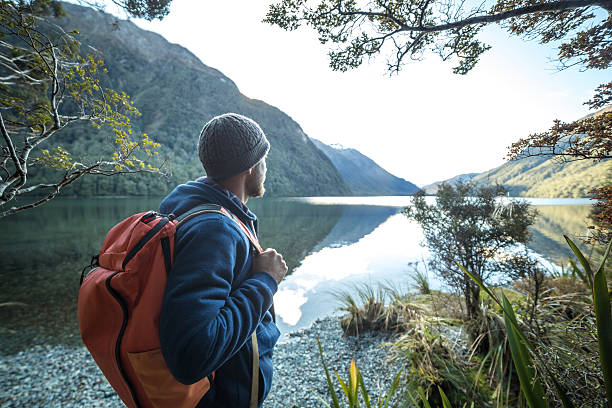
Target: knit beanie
[230,144]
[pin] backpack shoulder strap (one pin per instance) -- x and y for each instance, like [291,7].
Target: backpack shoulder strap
[215,208]
[197,210]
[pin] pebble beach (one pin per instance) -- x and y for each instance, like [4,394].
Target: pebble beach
[59,376]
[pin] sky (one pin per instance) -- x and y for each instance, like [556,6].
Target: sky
[424,124]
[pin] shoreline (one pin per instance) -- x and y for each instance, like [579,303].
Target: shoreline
[60,376]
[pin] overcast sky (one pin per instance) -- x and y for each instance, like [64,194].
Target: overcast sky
[425,124]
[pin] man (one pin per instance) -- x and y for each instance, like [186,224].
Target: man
[220,289]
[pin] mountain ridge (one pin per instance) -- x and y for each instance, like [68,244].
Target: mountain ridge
[362,174]
[176,94]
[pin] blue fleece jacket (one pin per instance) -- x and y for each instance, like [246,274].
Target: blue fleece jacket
[213,302]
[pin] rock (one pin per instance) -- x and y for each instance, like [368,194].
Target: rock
[60,376]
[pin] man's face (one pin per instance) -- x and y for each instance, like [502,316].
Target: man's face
[255,181]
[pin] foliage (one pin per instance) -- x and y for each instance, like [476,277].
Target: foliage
[588,138]
[355,386]
[420,278]
[471,226]
[192,93]
[147,9]
[407,29]
[435,359]
[375,309]
[527,357]
[602,214]
[601,304]
[45,87]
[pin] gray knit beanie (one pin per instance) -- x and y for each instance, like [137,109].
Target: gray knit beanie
[230,144]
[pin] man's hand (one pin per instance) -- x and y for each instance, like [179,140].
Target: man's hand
[272,263]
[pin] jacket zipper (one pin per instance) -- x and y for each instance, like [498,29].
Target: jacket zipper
[124,308]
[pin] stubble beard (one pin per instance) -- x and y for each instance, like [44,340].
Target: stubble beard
[255,187]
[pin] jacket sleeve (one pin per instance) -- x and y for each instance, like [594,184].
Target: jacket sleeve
[204,321]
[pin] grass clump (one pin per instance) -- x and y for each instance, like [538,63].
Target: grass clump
[379,308]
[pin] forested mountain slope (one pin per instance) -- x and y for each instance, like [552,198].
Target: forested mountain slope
[548,177]
[461,178]
[176,94]
[363,175]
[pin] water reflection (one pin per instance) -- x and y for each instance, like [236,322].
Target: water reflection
[552,222]
[328,243]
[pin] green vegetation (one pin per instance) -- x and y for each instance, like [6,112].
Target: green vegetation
[547,177]
[469,225]
[48,89]
[355,386]
[552,358]
[542,339]
[176,94]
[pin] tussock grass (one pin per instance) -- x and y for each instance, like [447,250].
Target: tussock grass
[380,308]
[545,352]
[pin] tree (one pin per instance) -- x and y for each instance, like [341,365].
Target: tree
[470,226]
[450,28]
[406,29]
[602,215]
[147,9]
[46,85]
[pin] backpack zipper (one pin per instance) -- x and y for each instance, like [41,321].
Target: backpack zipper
[124,308]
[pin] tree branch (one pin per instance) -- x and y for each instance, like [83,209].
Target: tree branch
[485,19]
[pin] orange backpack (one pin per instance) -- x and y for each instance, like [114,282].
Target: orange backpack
[119,306]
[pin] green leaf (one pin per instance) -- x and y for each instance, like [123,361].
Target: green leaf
[582,259]
[364,392]
[577,272]
[393,388]
[345,387]
[530,385]
[480,283]
[601,303]
[522,342]
[445,402]
[509,312]
[330,385]
[423,398]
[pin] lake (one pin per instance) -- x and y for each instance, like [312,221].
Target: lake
[330,244]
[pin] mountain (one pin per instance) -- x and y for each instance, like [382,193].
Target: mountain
[545,176]
[462,178]
[539,177]
[548,177]
[176,94]
[356,222]
[363,175]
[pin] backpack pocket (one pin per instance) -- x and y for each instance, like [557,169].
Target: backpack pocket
[162,389]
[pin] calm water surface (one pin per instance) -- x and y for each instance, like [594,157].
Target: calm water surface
[329,243]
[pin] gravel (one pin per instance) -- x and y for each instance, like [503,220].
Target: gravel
[59,376]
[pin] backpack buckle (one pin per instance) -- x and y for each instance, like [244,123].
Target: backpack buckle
[92,264]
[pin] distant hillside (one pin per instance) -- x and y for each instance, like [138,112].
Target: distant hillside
[176,94]
[363,175]
[546,176]
[549,176]
[433,187]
